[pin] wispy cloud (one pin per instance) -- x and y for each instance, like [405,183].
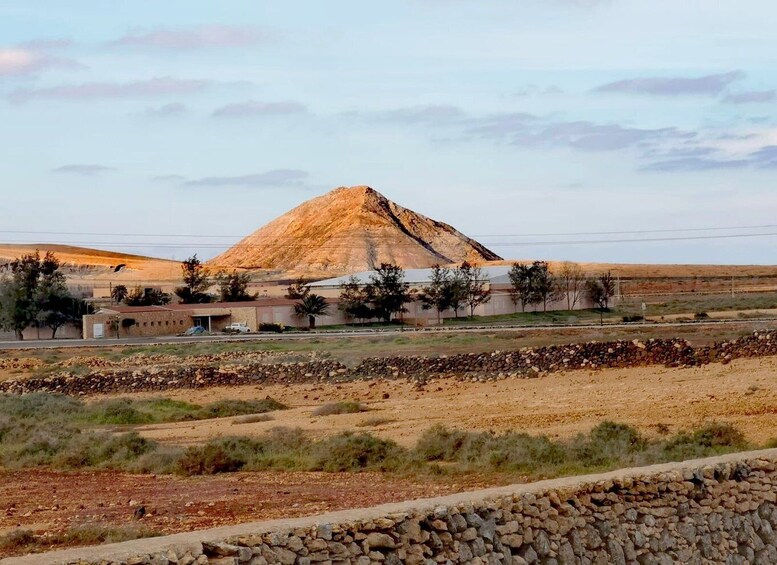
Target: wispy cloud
[752,97]
[274,178]
[695,164]
[168,178]
[197,37]
[20,61]
[82,169]
[709,85]
[96,90]
[167,110]
[528,130]
[256,108]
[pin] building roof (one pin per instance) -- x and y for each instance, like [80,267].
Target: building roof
[211,308]
[494,274]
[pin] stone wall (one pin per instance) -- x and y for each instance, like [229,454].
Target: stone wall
[526,363]
[717,510]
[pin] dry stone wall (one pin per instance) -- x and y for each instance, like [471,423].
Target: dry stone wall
[719,510]
[234,369]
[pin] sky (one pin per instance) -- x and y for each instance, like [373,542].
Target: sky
[167,128]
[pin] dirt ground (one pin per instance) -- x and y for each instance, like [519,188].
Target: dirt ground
[53,501]
[559,405]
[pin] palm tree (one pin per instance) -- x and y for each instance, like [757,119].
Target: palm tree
[119,293]
[312,305]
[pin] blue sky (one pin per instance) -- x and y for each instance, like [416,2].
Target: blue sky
[501,117]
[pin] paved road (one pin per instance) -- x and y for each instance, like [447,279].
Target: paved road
[335,334]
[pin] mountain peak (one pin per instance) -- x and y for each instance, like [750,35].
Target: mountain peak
[350,229]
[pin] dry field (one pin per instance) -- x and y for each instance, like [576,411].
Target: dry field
[655,400]
[560,405]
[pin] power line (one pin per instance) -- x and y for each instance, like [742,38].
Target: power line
[334,245]
[549,234]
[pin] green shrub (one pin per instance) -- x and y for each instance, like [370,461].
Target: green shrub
[357,452]
[17,540]
[277,328]
[210,459]
[227,408]
[346,407]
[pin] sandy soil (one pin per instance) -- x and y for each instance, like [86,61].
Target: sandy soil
[560,405]
[52,501]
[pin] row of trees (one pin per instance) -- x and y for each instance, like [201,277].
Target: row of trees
[466,286]
[33,293]
[197,280]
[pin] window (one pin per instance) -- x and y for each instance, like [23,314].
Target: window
[152,324]
[167,322]
[144,324]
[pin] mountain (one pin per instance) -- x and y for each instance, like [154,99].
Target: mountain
[347,230]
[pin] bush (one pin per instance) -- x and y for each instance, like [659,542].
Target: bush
[17,540]
[634,318]
[334,408]
[119,411]
[701,315]
[210,459]
[226,408]
[252,419]
[606,444]
[357,452]
[277,328]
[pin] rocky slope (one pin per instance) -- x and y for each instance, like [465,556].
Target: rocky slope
[348,230]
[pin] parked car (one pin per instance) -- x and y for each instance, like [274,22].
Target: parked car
[195,330]
[237,328]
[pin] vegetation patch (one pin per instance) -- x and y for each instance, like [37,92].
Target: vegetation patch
[345,407]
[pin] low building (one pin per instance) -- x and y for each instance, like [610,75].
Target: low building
[173,319]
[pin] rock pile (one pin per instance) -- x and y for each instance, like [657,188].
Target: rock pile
[717,511]
[263,368]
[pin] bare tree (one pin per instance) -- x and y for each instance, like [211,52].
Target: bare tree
[571,282]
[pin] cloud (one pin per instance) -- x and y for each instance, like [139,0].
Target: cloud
[765,156]
[97,90]
[709,85]
[168,178]
[84,170]
[197,37]
[752,97]
[695,164]
[167,110]
[274,178]
[20,61]
[255,108]
[528,130]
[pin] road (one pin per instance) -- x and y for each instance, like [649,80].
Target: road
[372,332]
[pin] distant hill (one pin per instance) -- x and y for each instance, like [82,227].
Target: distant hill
[348,230]
[84,262]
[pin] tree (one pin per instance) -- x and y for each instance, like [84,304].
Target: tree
[119,293]
[521,284]
[600,290]
[474,288]
[457,292]
[195,282]
[354,300]
[35,294]
[437,294]
[233,287]
[571,282]
[297,290]
[312,306]
[140,296]
[544,286]
[387,291]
